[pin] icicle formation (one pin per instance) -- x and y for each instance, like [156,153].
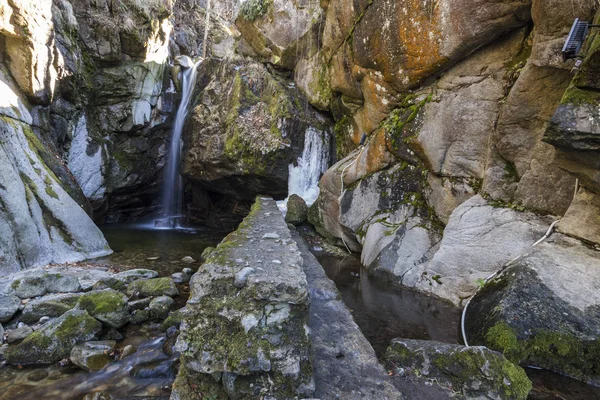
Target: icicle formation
[304,178]
[173,185]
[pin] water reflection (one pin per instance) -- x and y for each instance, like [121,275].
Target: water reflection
[383,312]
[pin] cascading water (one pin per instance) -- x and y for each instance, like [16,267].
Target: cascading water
[304,177]
[172,194]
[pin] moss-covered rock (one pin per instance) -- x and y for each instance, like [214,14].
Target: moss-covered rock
[107,306]
[152,287]
[246,126]
[55,340]
[297,210]
[52,305]
[92,356]
[472,372]
[254,337]
[543,310]
[174,319]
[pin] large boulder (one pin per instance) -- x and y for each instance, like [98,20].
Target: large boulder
[40,221]
[477,241]
[471,372]
[9,305]
[542,310]
[54,341]
[246,126]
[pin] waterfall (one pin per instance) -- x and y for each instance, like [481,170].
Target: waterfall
[172,193]
[314,161]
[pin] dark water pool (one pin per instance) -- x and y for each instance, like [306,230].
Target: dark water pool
[384,313]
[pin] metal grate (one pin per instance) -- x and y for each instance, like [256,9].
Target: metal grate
[575,39]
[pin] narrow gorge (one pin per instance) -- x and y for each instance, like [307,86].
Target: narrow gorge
[285,199]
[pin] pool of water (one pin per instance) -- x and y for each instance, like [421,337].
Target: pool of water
[159,250]
[156,249]
[383,313]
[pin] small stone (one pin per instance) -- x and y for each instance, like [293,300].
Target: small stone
[271,235]
[37,375]
[112,334]
[159,307]
[127,351]
[276,262]
[17,335]
[242,277]
[92,356]
[140,316]
[188,260]
[180,277]
[172,331]
[44,319]
[152,258]
[152,287]
[188,271]
[139,304]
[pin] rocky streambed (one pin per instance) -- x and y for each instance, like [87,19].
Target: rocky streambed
[103,326]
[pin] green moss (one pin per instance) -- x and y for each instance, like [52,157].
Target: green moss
[580,97]
[510,171]
[101,302]
[153,287]
[343,141]
[254,9]
[552,350]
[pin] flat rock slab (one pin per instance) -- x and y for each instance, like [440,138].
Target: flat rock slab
[245,330]
[345,365]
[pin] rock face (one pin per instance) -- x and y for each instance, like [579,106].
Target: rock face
[543,309]
[235,340]
[54,340]
[435,109]
[471,372]
[245,128]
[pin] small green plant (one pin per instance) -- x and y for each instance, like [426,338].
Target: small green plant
[438,279]
[254,9]
[480,282]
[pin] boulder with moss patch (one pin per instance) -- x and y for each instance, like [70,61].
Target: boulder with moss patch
[544,309]
[54,341]
[92,356]
[107,306]
[51,305]
[471,372]
[152,287]
[245,127]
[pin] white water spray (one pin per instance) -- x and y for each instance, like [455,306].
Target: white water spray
[172,194]
[304,177]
